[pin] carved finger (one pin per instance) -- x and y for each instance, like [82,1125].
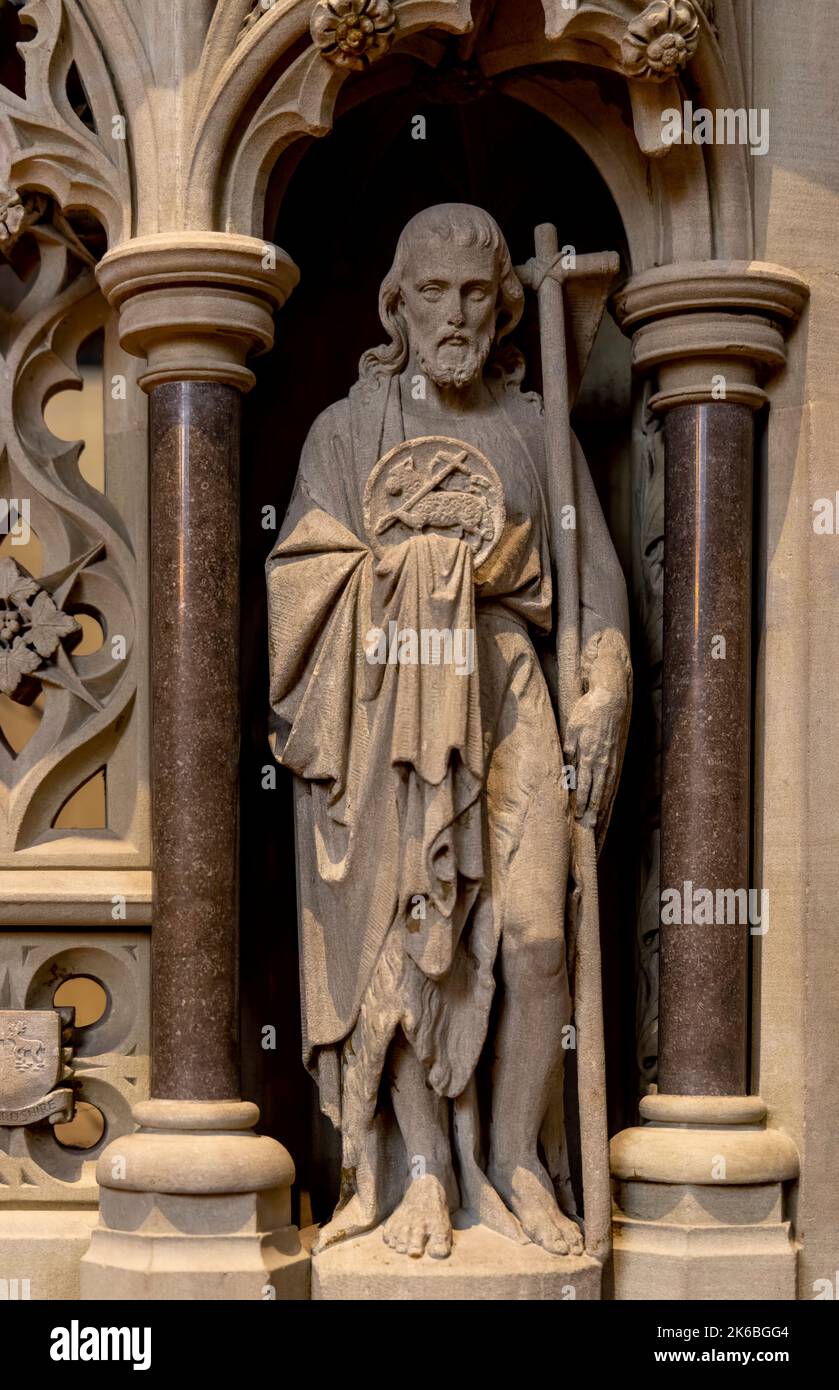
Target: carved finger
[571,743]
[583,787]
[598,784]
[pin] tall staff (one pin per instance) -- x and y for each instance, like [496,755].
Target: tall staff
[546,276]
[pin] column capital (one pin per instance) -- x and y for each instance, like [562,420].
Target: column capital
[710,330]
[195,304]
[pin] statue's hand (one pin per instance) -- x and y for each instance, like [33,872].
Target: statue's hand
[592,747]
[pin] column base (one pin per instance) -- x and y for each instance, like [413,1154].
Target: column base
[699,1211]
[195,1206]
[482,1266]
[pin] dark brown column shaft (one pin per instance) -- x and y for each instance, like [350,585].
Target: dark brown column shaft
[707,740]
[195,738]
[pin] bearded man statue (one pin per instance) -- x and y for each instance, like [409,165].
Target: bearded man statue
[413,609]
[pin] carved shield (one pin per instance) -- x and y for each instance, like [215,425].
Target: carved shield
[30,1055]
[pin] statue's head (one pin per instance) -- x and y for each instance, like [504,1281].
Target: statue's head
[449,298]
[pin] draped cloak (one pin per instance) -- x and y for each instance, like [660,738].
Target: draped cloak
[390,763]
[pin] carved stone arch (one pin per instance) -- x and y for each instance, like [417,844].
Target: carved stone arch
[678,203]
[300,102]
[595,34]
[656,230]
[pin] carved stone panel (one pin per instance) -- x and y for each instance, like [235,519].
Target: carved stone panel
[71,646]
[110,1061]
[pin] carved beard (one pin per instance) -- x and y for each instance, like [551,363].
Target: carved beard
[468,363]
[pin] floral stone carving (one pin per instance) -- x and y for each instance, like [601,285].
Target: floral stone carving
[661,41]
[32,629]
[353,33]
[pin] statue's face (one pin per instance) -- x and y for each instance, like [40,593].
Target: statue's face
[449,299]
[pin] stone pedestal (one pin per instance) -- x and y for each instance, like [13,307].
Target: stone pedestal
[700,1210]
[482,1266]
[195,1206]
[687,1243]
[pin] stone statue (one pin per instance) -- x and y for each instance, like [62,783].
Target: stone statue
[413,616]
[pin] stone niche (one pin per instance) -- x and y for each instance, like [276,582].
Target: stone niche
[338,211]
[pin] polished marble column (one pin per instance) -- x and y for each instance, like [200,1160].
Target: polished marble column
[699,1184]
[194,446]
[195,1204]
[706,754]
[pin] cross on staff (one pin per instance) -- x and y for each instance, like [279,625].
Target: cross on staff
[546,275]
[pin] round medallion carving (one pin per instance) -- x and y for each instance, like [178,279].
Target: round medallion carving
[435,484]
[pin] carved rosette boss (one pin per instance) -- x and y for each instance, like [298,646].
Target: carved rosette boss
[353,33]
[661,41]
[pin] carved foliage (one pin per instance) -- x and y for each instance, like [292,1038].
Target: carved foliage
[32,627]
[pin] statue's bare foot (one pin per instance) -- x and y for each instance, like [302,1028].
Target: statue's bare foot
[421,1221]
[528,1192]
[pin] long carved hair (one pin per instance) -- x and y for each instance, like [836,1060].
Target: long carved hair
[465,225]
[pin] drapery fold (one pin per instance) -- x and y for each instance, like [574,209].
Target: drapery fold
[391,756]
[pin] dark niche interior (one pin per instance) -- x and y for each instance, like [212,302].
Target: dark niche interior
[338,210]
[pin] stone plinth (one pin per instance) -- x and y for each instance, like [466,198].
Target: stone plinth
[700,1211]
[215,1246]
[482,1266]
[701,1243]
[40,1251]
[195,1206]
